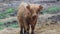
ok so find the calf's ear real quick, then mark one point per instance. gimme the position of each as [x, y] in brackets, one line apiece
[28, 6]
[40, 7]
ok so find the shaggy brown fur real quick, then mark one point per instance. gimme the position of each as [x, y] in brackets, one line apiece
[27, 16]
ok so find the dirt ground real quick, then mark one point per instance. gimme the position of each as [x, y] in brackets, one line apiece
[41, 28]
[47, 29]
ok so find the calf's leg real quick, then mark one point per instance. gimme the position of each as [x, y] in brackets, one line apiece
[26, 31]
[21, 31]
[20, 22]
[26, 28]
[33, 26]
[32, 29]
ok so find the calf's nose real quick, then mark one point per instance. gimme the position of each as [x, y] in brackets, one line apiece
[34, 16]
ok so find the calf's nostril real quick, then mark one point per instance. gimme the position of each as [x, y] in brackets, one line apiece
[34, 17]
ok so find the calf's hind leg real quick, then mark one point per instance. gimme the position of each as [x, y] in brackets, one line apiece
[26, 28]
[26, 31]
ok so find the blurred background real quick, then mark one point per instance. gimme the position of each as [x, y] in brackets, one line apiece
[50, 16]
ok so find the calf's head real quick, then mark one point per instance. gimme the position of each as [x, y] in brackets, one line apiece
[34, 9]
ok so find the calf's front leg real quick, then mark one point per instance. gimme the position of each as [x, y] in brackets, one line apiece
[33, 26]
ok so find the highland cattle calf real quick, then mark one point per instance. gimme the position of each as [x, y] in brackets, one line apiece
[27, 16]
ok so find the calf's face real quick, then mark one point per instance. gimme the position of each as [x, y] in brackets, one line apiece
[34, 9]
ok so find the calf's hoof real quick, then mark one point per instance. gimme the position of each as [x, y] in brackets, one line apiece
[32, 33]
[27, 32]
[21, 32]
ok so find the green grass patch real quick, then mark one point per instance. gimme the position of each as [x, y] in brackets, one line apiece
[13, 26]
[1, 28]
[1, 23]
[6, 13]
[53, 9]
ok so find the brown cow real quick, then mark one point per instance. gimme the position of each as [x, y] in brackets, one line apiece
[27, 16]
